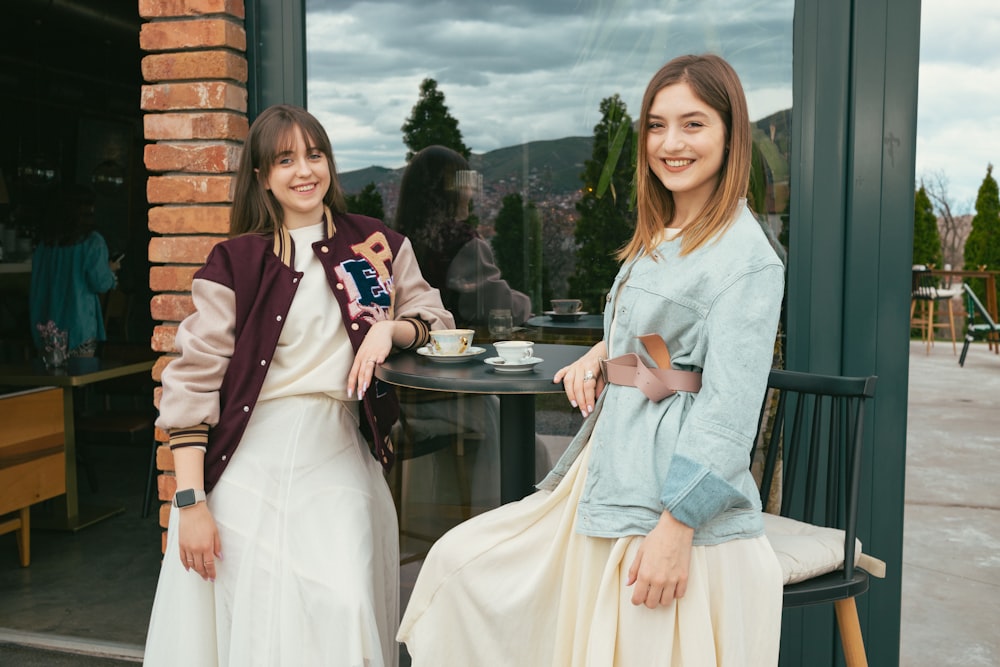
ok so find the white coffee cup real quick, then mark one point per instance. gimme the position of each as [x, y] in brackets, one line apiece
[566, 306]
[514, 351]
[449, 342]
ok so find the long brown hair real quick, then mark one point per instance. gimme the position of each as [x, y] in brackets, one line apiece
[255, 210]
[715, 82]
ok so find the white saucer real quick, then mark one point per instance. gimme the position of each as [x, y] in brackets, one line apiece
[565, 317]
[501, 366]
[450, 358]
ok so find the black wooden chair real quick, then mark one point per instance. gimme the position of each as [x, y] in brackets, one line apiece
[813, 431]
[974, 330]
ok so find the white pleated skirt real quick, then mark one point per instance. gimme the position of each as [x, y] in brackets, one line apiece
[518, 587]
[309, 573]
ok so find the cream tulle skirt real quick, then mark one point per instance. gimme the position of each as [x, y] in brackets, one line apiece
[518, 587]
[310, 567]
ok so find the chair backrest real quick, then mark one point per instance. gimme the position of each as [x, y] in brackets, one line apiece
[923, 284]
[975, 306]
[816, 430]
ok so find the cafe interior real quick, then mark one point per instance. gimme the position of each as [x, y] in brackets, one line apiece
[70, 75]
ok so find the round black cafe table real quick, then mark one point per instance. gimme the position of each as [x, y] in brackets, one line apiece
[517, 399]
[587, 328]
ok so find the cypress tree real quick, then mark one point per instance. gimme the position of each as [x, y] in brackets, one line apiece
[607, 218]
[926, 237]
[982, 248]
[431, 123]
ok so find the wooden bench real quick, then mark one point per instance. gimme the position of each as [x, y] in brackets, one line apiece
[32, 458]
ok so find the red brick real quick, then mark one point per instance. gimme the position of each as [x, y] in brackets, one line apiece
[164, 459]
[167, 484]
[202, 158]
[185, 189]
[171, 278]
[171, 307]
[189, 219]
[193, 34]
[163, 341]
[194, 95]
[173, 8]
[181, 249]
[196, 125]
[195, 65]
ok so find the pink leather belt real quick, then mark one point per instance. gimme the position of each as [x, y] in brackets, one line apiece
[656, 383]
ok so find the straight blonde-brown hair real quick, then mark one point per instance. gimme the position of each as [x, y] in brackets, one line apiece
[255, 210]
[715, 82]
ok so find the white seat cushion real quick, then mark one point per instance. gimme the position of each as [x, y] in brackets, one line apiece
[804, 550]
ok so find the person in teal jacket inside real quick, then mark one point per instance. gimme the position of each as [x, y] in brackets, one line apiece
[70, 269]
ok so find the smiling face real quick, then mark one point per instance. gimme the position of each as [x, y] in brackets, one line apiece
[685, 147]
[299, 178]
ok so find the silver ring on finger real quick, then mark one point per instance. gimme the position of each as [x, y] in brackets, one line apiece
[371, 361]
[588, 375]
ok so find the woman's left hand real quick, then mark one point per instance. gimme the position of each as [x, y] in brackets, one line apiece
[660, 569]
[373, 351]
[583, 380]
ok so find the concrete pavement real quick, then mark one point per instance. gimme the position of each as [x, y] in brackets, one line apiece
[951, 525]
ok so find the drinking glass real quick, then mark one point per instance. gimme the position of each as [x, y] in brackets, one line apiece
[501, 323]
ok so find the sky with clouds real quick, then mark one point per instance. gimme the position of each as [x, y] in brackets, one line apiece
[958, 112]
[515, 71]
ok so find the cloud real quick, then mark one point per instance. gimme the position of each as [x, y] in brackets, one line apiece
[521, 71]
[958, 110]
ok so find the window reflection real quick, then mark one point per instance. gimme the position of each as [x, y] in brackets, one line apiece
[543, 94]
[525, 81]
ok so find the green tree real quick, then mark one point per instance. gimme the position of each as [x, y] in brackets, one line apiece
[926, 237]
[982, 248]
[757, 195]
[517, 246]
[367, 202]
[430, 123]
[607, 218]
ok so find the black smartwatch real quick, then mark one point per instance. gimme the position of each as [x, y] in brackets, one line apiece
[188, 497]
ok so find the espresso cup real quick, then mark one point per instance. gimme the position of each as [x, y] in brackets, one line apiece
[566, 306]
[514, 351]
[449, 342]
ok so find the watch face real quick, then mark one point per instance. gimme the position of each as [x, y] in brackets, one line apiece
[184, 498]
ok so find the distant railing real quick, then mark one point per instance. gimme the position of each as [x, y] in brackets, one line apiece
[990, 280]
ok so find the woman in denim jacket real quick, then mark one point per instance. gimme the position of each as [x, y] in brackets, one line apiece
[645, 544]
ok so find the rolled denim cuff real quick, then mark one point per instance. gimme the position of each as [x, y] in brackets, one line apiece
[694, 494]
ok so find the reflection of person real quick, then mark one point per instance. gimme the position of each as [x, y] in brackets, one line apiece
[294, 312]
[645, 544]
[433, 212]
[69, 271]
[435, 195]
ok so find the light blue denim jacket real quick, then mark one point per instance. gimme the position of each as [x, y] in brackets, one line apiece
[717, 310]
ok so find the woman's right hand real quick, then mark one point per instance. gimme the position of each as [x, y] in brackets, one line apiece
[199, 540]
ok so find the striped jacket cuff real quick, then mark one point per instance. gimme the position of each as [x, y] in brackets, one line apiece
[191, 436]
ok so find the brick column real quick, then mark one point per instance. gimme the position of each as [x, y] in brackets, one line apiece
[195, 121]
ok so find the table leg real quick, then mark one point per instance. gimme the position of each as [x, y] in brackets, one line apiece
[517, 446]
[67, 514]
